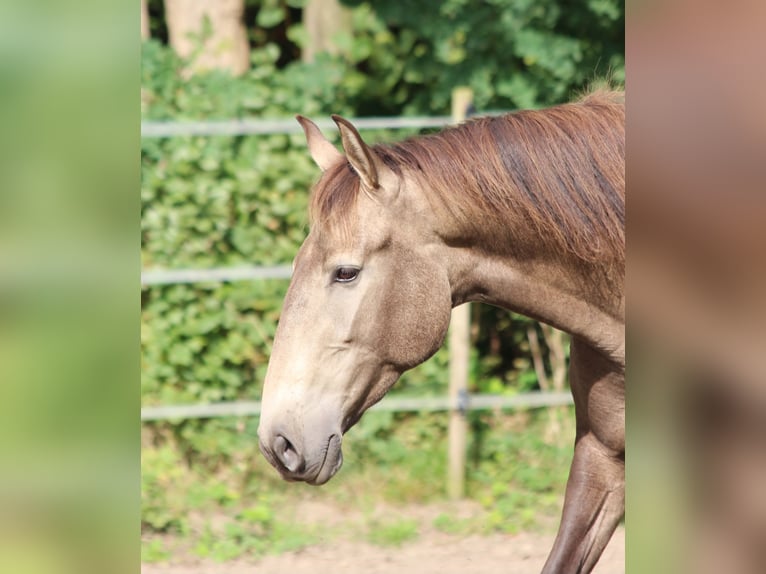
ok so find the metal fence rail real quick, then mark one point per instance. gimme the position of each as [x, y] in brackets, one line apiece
[169, 129]
[217, 274]
[151, 129]
[398, 404]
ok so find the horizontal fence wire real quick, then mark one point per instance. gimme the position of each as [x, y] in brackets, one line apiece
[395, 404]
[169, 129]
[154, 129]
[220, 274]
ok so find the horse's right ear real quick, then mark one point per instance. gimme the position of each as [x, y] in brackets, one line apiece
[322, 151]
[358, 153]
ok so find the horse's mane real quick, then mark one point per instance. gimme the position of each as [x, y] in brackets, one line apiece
[555, 177]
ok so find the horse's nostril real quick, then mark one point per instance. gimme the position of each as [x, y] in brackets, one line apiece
[286, 454]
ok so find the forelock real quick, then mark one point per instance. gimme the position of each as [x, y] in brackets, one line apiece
[332, 206]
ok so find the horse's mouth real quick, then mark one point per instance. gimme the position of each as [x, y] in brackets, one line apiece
[316, 470]
[333, 460]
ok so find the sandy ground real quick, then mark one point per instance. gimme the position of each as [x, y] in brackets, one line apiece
[432, 552]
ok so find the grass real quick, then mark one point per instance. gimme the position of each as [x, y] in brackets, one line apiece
[238, 539]
[155, 550]
[450, 524]
[393, 533]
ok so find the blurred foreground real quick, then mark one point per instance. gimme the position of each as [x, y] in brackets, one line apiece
[696, 466]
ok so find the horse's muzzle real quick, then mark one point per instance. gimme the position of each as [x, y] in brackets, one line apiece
[294, 464]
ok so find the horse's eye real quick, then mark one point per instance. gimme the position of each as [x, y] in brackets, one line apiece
[346, 274]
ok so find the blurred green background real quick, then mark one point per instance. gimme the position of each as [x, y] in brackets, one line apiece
[217, 201]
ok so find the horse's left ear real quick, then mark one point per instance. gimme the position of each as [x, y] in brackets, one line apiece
[322, 151]
[358, 153]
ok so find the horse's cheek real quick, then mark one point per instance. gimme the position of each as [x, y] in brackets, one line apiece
[417, 327]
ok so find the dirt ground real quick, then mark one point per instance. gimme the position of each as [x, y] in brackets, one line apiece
[432, 552]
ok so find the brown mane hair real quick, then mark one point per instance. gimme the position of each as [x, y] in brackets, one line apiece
[553, 177]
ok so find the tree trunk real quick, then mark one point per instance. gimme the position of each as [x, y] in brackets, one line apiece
[323, 20]
[210, 33]
[145, 34]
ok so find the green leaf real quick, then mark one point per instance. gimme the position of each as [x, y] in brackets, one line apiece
[270, 16]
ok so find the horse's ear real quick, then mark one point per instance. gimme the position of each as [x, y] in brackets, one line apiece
[322, 151]
[358, 153]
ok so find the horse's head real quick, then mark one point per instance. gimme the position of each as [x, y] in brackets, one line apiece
[369, 298]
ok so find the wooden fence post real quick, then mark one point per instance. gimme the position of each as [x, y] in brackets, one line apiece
[459, 352]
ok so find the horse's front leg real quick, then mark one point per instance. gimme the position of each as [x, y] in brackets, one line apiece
[595, 494]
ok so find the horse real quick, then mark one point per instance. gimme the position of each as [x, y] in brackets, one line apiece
[525, 211]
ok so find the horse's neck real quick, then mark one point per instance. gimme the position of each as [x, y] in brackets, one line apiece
[549, 291]
[516, 271]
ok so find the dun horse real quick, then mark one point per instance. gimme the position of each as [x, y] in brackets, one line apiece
[523, 211]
